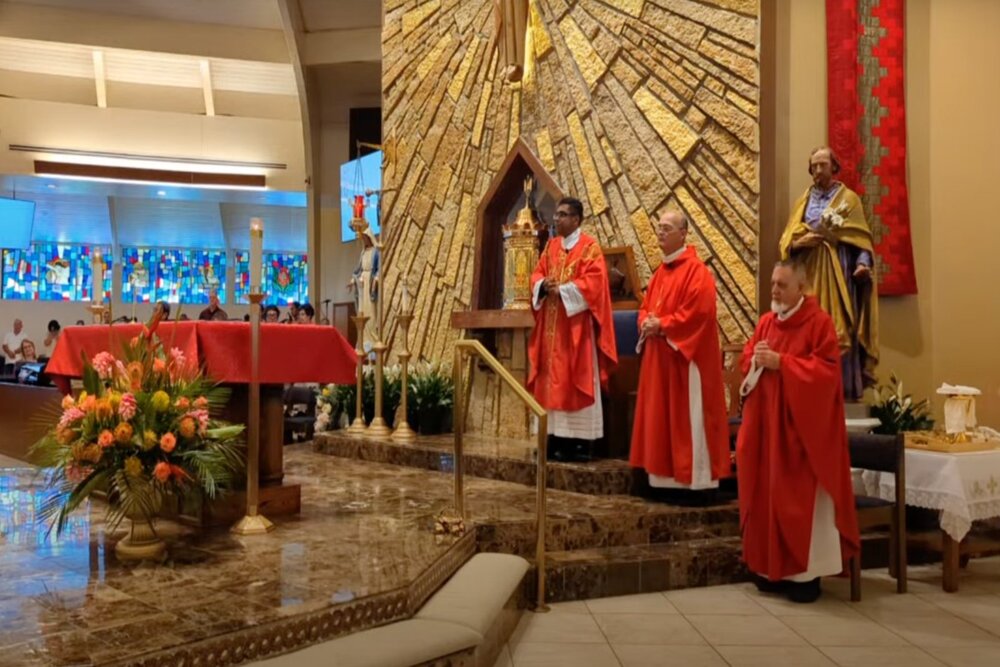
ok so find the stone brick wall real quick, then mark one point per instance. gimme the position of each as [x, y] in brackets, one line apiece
[633, 105]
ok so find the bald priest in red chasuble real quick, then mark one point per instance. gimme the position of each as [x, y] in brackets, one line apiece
[572, 347]
[681, 431]
[796, 500]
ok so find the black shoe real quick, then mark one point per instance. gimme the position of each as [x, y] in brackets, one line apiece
[765, 585]
[804, 592]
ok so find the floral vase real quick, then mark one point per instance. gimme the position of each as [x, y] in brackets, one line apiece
[141, 542]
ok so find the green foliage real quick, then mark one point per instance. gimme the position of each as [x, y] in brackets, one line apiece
[897, 411]
[431, 396]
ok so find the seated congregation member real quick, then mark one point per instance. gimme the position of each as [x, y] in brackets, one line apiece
[292, 316]
[54, 329]
[272, 314]
[681, 432]
[796, 500]
[28, 352]
[214, 311]
[306, 314]
[12, 342]
[572, 346]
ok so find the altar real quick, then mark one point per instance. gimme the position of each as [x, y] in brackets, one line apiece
[289, 354]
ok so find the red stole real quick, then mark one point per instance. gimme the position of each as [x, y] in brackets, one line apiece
[793, 437]
[561, 376]
[682, 294]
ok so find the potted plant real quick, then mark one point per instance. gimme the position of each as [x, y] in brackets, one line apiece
[897, 411]
[431, 398]
[141, 430]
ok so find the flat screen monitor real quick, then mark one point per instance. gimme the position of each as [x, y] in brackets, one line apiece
[16, 218]
[357, 177]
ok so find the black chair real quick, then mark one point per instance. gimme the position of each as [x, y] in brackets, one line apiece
[881, 453]
[300, 412]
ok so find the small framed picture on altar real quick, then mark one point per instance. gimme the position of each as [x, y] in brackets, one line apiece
[623, 279]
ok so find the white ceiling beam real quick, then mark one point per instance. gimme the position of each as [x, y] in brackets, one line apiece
[329, 47]
[100, 81]
[206, 86]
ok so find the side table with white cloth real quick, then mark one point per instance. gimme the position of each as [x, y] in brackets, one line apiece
[965, 487]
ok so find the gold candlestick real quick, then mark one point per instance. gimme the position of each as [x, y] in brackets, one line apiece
[254, 523]
[403, 432]
[378, 428]
[358, 426]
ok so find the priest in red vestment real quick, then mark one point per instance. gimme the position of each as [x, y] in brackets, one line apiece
[572, 347]
[681, 431]
[796, 501]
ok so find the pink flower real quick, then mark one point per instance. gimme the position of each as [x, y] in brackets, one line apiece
[70, 416]
[75, 473]
[127, 407]
[167, 442]
[162, 471]
[104, 364]
[159, 365]
[106, 438]
[202, 417]
[177, 357]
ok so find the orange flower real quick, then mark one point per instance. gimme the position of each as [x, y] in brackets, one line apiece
[188, 427]
[123, 433]
[103, 409]
[159, 365]
[88, 403]
[182, 403]
[92, 453]
[68, 402]
[106, 438]
[162, 471]
[167, 442]
[65, 435]
[201, 402]
[134, 371]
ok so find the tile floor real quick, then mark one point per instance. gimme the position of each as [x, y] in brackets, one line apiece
[735, 625]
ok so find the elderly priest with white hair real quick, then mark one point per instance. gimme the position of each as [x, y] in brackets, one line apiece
[797, 511]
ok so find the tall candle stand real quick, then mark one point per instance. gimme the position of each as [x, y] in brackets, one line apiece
[403, 432]
[358, 426]
[254, 523]
[378, 428]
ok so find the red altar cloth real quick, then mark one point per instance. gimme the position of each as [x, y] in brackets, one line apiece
[288, 353]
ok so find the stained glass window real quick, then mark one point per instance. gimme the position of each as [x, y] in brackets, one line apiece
[52, 272]
[286, 277]
[174, 276]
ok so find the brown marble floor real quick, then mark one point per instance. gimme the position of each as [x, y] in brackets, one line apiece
[365, 530]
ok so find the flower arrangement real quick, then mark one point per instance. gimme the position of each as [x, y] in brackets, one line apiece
[431, 397]
[897, 411]
[140, 429]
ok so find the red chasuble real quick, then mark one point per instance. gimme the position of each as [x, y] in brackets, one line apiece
[793, 437]
[682, 295]
[561, 376]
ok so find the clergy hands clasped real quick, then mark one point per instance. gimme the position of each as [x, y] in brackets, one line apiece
[765, 357]
[551, 287]
[651, 326]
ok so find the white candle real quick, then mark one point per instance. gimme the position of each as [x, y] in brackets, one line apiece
[256, 255]
[406, 299]
[97, 275]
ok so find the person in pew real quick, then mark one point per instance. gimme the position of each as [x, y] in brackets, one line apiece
[680, 435]
[12, 342]
[796, 501]
[271, 314]
[28, 352]
[306, 314]
[213, 311]
[292, 317]
[54, 329]
[572, 346]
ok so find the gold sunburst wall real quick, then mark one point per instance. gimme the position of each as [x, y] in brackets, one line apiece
[633, 105]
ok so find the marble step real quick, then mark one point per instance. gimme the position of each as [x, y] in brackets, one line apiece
[610, 571]
[622, 522]
[501, 459]
[857, 410]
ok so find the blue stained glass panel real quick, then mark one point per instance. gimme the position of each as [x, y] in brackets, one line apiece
[52, 272]
[286, 277]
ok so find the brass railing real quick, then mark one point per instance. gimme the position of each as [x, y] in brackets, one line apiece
[474, 347]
